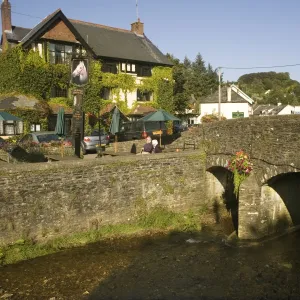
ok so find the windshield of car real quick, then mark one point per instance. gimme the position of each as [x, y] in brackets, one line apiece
[96, 133]
[45, 138]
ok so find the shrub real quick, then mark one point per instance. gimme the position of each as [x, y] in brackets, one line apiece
[211, 118]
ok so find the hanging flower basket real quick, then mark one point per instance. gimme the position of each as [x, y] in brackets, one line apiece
[241, 168]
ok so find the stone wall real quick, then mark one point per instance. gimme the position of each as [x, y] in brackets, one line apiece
[50, 199]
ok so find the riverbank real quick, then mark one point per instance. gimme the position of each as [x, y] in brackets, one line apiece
[178, 265]
[158, 219]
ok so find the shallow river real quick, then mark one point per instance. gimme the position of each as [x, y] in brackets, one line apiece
[160, 267]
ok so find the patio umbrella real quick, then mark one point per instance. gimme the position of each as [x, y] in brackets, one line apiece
[60, 122]
[159, 116]
[115, 125]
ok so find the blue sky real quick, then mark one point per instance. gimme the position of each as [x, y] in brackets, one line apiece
[234, 33]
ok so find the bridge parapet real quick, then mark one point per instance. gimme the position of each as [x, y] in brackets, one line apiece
[273, 139]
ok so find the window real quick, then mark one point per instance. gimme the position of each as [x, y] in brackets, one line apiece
[109, 68]
[144, 95]
[35, 127]
[144, 71]
[59, 92]
[60, 54]
[128, 68]
[11, 127]
[106, 93]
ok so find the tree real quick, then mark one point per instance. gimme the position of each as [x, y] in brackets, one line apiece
[281, 88]
[179, 76]
[187, 63]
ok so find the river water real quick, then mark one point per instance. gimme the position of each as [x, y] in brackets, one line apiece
[160, 267]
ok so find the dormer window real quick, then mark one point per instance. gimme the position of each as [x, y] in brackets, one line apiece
[60, 53]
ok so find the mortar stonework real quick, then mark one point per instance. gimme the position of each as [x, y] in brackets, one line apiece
[53, 199]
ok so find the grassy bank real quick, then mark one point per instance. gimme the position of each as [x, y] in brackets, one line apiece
[157, 219]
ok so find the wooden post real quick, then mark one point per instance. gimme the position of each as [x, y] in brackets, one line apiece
[219, 106]
[116, 143]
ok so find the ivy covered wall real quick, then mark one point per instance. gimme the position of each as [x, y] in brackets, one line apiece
[26, 72]
[160, 84]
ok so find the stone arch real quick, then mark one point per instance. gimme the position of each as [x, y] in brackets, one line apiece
[272, 171]
[225, 179]
[284, 195]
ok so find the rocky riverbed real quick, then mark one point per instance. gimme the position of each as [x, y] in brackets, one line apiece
[160, 266]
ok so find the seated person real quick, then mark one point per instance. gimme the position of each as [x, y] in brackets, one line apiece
[148, 148]
[156, 148]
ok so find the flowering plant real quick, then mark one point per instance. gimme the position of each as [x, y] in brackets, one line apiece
[209, 118]
[241, 167]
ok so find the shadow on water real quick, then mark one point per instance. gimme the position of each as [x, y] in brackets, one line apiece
[206, 269]
[178, 265]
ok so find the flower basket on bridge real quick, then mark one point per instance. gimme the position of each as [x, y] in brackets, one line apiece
[241, 168]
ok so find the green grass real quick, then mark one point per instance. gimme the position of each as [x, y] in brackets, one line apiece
[156, 219]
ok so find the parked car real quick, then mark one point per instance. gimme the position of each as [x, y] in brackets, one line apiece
[135, 130]
[91, 141]
[179, 128]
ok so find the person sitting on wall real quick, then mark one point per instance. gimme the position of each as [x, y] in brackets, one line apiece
[156, 148]
[148, 148]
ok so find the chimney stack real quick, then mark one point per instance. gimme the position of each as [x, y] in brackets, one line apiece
[6, 22]
[229, 93]
[138, 27]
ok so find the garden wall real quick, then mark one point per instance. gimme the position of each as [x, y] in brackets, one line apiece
[50, 199]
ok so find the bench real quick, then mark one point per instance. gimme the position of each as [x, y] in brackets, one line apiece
[189, 143]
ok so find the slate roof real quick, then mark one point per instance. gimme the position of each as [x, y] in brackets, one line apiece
[119, 43]
[18, 101]
[18, 33]
[268, 109]
[214, 98]
[103, 41]
[141, 110]
[258, 109]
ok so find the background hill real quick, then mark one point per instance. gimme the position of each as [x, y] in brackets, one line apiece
[271, 87]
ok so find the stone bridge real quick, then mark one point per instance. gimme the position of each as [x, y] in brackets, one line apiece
[269, 199]
[39, 201]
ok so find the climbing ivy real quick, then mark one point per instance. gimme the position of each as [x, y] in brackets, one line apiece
[161, 84]
[27, 73]
[38, 115]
